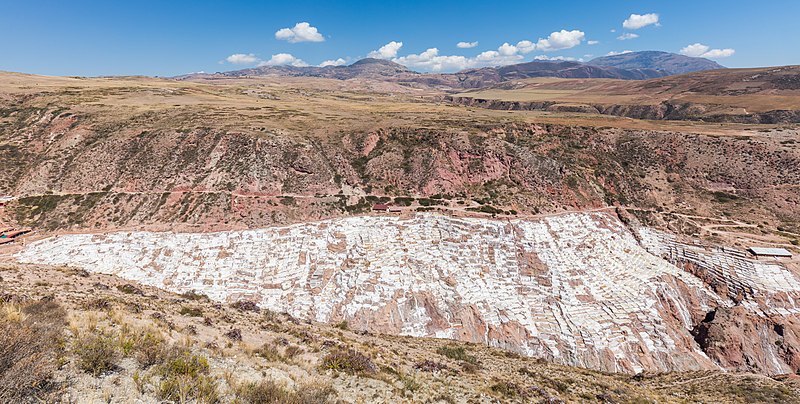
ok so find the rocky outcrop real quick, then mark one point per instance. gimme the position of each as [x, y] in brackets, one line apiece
[576, 288]
[740, 341]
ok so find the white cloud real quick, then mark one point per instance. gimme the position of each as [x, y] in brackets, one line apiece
[561, 40]
[719, 53]
[612, 53]
[592, 42]
[242, 59]
[526, 46]
[494, 58]
[705, 51]
[627, 35]
[431, 60]
[467, 45]
[302, 32]
[337, 62]
[696, 49]
[557, 58]
[387, 51]
[636, 21]
[283, 59]
[507, 50]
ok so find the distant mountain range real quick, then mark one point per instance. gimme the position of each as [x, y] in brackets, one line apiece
[663, 62]
[629, 66]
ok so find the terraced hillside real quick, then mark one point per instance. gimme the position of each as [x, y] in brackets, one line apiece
[577, 289]
[97, 337]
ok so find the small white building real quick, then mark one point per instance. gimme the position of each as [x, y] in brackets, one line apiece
[770, 252]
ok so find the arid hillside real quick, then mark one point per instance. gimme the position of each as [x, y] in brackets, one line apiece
[245, 153]
[761, 95]
[82, 337]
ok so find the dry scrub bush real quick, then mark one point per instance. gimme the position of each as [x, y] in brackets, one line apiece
[30, 338]
[267, 391]
[96, 353]
[184, 377]
[349, 361]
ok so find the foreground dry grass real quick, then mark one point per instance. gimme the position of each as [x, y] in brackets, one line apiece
[72, 336]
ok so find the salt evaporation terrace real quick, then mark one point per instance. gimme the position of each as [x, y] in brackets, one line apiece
[576, 288]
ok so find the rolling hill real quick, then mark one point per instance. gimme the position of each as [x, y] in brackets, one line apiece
[760, 95]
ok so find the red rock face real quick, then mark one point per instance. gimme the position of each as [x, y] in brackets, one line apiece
[737, 340]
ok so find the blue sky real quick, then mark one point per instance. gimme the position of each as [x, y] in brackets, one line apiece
[163, 38]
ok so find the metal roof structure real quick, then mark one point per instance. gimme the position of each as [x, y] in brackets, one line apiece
[770, 252]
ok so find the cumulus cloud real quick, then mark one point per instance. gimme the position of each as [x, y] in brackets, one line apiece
[467, 45]
[705, 51]
[557, 58]
[627, 35]
[505, 54]
[336, 62]
[432, 61]
[301, 32]
[592, 42]
[612, 53]
[284, 59]
[242, 59]
[560, 40]
[636, 21]
[387, 51]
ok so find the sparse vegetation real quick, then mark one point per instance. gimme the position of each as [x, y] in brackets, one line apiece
[267, 391]
[96, 352]
[349, 361]
[31, 335]
[182, 367]
[457, 353]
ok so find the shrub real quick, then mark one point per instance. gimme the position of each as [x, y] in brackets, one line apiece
[234, 334]
[130, 289]
[507, 389]
[96, 353]
[184, 377]
[349, 361]
[150, 349]
[457, 352]
[270, 352]
[30, 338]
[191, 311]
[192, 295]
[429, 366]
[267, 391]
[245, 305]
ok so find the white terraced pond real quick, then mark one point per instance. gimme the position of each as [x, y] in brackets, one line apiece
[576, 288]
